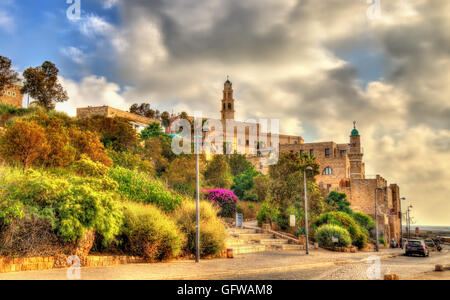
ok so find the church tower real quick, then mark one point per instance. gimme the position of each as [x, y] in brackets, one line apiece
[228, 101]
[355, 155]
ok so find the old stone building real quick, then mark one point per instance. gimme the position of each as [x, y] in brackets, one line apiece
[12, 95]
[138, 122]
[342, 169]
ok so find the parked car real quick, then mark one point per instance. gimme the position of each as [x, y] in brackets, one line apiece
[431, 245]
[417, 247]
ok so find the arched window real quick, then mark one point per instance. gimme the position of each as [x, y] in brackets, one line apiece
[224, 106]
[328, 171]
[229, 105]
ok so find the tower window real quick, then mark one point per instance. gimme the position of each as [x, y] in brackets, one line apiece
[327, 152]
[229, 105]
[224, 106]
[328, 171]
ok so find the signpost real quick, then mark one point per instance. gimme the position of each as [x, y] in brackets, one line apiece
[293, 221]
[417, 230]
[239, 220]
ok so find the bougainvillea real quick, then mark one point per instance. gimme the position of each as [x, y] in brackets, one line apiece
[225, 199]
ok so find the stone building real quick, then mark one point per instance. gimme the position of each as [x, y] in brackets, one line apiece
[342, 169]
[12, 95]
[138, 122]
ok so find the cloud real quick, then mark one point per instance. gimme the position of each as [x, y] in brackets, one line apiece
[6, 22]
[91, 91]
[282, 58]
[75, 54]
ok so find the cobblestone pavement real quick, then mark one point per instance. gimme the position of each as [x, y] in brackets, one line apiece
[282, 262]
[407, 267]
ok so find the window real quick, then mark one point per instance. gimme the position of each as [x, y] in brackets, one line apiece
[14, 94]
[229, 105]
[328, 188]
[302, 152]
[8, 93]
[3, 92]
[224, 106]
[327, 152]
[311, 152]
[247, 143]
[343, 152]
[328, 171]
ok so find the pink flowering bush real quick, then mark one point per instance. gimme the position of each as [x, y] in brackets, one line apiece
[225, 199]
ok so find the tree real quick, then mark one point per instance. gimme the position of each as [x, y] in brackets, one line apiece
[261, 187]
[339, 202]
[116, 133]
[7, 75]
[238, 163]
[88, 143]
[182, 176]
[143, 110]
[287, 188]
[217, 173]
[153, 150]
[152, 130]
[243, 183]
[165, 119]
[61, 153]
[23, 143]
[42, 84]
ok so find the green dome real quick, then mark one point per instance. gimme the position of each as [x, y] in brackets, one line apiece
[355, 132]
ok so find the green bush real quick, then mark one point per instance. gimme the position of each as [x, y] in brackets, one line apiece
[364, 221]
[267, 213]
[213, 233]
[359, 237]
[139, 187]
[71, 204]
[382, 240]
[150, 233]
[325, 233]
[86, 167]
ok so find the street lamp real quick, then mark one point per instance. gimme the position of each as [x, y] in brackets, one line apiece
[377, 234]
[197, 237]
[306, 208]
[401, 221]
[409, 221]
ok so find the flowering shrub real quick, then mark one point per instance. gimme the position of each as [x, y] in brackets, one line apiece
[225, 199]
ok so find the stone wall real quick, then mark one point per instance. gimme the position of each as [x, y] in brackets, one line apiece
[12, 95]
[107, 111]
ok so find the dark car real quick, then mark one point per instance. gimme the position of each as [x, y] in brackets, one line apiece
[417, 247]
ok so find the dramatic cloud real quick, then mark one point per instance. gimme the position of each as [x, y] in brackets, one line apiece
[293, 60]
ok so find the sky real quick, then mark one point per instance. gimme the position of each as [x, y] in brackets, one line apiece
[316, 65]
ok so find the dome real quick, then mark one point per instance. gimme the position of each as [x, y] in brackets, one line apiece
[355, 132]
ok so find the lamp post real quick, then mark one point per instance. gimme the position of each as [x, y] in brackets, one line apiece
[401, 221]
[197, 236]
[409, 221]
[306, 208]
[377, 234]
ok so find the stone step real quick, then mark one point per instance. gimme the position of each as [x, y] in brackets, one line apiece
[273, 241]
[253, 236]
[235, 242]
[288, 247]
[243, 249]
[241, 231]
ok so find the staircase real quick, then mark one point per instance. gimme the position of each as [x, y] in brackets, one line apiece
[244, 241]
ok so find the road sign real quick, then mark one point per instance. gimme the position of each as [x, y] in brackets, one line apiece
[417, 230]
[335, 239]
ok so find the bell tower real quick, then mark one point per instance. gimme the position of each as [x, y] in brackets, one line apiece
[355, 155]
[228, 101]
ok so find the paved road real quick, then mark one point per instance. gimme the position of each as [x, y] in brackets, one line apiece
[406, 267]
[320, 264]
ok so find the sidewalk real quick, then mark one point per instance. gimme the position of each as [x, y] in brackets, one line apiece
[255, 263]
